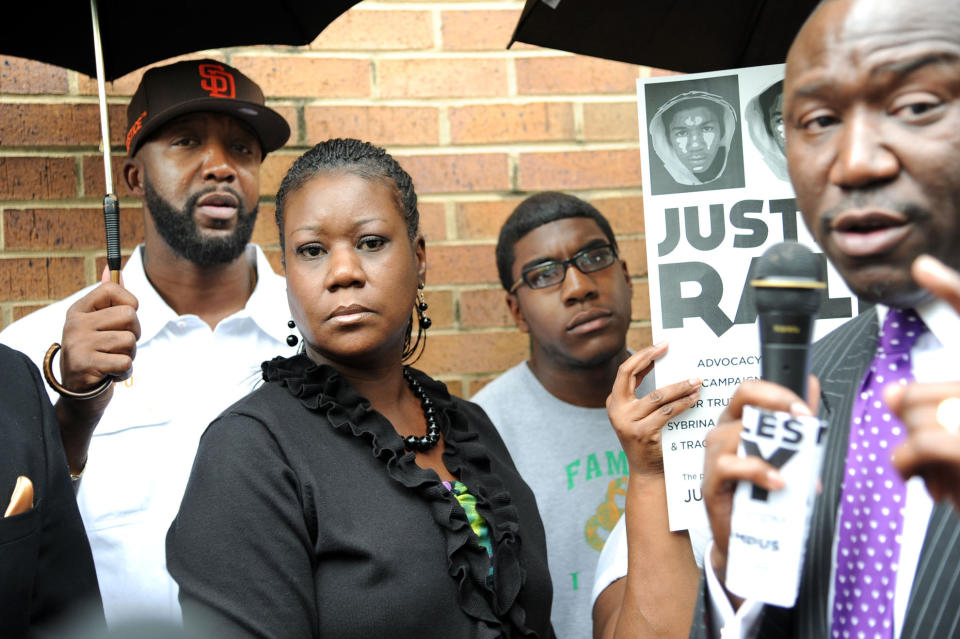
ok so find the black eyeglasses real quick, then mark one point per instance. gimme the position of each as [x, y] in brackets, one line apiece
[550, 273]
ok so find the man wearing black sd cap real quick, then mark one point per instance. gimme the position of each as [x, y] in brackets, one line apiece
[199, 308]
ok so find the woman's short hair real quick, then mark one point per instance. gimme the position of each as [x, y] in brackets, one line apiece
[358, 158]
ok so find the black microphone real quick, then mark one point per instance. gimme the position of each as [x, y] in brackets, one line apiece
[789, 282]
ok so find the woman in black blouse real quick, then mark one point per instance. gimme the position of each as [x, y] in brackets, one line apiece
[351, 495]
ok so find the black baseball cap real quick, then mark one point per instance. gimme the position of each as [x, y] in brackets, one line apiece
[201, 85]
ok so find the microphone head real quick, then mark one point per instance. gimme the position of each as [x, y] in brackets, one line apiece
[789, 277]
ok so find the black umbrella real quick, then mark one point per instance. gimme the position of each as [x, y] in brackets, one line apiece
[109, 38]
[680, 35]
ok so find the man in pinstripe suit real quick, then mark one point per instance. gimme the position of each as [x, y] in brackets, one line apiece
[872, 109]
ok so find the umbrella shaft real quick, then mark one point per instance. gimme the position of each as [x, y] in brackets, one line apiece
[102, 93]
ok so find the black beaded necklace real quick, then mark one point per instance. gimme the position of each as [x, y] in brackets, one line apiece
[428, 441]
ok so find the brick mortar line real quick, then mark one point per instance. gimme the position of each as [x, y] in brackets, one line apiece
[59, 99]
[485, 330]
[374, 81]
[548, 146]
[33, 254]
[449, 218]
[501, 195]
[301, 115]
[90, 269]
[436, 23]
[578, 122]
[48, 151]
[624, 143]
[454, 101]
[492, 285]
[93, 201]
[53, 152]
[520, 146]
[11, 304]
[512, 86]
[443, 127]
[491, 242]
[73, 82]
[78, 176]
[478, 196]
[460, 288]
[85, 202]
[304, 102]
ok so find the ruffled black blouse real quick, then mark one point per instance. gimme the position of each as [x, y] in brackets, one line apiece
[305, 517]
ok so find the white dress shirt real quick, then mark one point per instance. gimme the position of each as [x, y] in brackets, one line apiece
[934, 358]
[142, 450]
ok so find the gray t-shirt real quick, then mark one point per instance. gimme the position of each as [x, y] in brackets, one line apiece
[572, 460]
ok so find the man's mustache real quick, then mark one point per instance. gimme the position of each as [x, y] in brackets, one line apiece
[874, 200]
[193, 199]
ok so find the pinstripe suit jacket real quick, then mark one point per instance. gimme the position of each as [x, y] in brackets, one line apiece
[839, 360]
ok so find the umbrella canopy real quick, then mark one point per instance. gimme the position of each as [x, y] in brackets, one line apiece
[680, 35]
[135, 34]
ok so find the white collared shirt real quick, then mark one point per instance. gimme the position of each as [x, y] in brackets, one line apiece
[934, 358]
[142, 450]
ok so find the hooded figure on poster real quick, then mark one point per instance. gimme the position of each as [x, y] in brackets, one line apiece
[692, 134]
[764, 119]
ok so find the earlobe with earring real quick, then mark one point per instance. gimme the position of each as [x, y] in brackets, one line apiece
[425, 321]
[291, 338]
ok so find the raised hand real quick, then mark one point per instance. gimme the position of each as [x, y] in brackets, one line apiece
[638, 421]
[932, 446]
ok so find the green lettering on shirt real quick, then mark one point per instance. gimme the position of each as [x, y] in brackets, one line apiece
[571, 472]
[617, 463]
[574, 577]
[593, 467]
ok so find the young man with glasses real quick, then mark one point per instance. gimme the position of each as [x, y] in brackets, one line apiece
[569, 290]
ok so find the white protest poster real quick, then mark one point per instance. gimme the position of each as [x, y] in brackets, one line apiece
[716, 195]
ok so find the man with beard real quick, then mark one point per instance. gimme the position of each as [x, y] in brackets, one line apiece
[198, 306]
[569, 290]
[872, 114]
[872, 117]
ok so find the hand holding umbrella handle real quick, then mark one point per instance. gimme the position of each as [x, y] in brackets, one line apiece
[97, 391]
[111, 220]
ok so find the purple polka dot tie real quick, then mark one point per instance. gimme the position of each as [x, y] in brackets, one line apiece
[871, 504]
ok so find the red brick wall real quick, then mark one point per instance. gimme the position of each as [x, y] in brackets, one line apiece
[477, 126]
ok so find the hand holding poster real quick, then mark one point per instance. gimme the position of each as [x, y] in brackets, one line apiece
[714, 200]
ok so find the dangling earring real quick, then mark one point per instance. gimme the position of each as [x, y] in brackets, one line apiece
[423, 323]
[292, 339]
[422, 318]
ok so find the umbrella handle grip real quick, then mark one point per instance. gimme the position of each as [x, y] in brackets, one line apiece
[96, 391]
[111, 220]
